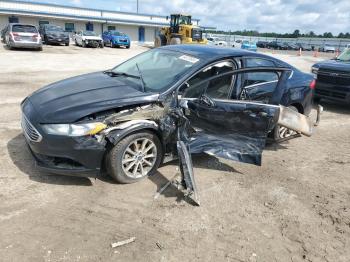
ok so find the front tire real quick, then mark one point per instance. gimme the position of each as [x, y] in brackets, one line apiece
[175, 41]
[134, 157]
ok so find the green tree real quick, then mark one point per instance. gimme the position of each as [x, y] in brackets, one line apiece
[296, 33]
[312, 34]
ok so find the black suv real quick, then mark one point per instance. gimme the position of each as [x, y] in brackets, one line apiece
[333, 78]
[53, 34]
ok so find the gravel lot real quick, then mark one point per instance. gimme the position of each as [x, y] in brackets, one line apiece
[295, 207]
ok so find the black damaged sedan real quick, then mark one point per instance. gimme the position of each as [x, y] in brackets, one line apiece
[127, 119]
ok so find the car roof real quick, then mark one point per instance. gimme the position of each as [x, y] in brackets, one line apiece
[12, 24]
[213, 52]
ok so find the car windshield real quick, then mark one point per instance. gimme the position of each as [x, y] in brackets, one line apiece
[54, 28]
[24, 29]
[159, 68]
[118, 34]
[89, 33]
[345, 56]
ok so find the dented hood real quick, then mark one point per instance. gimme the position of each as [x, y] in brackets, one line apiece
[68, 100]
[341, 66]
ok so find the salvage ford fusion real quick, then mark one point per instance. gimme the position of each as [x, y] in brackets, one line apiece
[219, 101]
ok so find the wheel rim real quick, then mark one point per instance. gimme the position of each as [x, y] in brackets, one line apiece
[285, 132]
[139, 158]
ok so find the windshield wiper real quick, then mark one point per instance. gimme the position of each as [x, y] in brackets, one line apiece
[141, 78]
[114, 74]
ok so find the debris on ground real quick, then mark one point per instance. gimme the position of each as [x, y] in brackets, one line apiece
[159, 245]
[124, 242]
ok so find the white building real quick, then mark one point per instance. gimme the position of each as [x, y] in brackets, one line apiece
[140, 27]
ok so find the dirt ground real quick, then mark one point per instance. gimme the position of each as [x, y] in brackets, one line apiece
[295, 207]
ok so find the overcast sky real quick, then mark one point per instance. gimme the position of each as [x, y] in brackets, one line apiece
[265, 16]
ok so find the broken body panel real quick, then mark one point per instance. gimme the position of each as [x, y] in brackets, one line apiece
[230, 129]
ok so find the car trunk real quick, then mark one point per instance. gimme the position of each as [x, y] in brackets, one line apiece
[24, 33]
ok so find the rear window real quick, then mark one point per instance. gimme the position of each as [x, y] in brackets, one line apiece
[24, 29]
[259, 62]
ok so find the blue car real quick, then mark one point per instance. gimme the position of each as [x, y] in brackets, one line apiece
[249, 46]
[116, 39]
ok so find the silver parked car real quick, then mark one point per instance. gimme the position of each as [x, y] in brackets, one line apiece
[22, 36]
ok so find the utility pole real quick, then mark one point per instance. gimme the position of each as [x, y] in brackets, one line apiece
[137, 6]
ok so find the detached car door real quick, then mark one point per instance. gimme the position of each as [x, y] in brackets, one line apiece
[228, 128]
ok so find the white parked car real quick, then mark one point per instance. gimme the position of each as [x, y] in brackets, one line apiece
[87, 38]
[216, 41]
[328, 48]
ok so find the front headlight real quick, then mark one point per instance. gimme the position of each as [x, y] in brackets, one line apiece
[74, 129]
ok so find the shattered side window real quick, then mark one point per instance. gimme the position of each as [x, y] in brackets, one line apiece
[259, 86]
[218, 88]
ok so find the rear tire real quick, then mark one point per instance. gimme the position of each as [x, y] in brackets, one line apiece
[128, 163]
[280, 132]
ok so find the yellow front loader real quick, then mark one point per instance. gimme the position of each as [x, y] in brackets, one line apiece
[180, 31]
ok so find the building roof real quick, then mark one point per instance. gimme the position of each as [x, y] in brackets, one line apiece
[79, 13]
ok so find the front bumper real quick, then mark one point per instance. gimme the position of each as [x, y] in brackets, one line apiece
[73, 156]
[121, 43]
[93, 43]
[250, 49]
[57, 40]
[64, 156]
[333, 92]
[58, 166]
